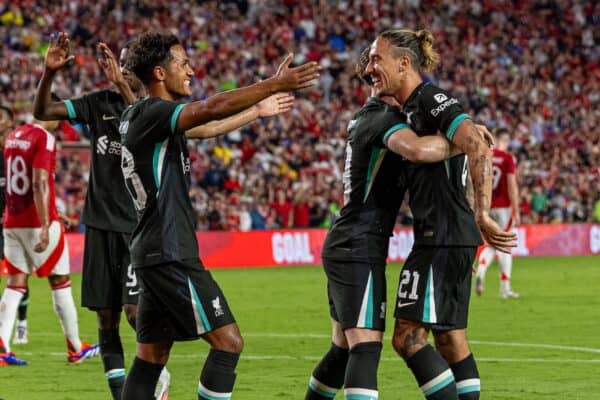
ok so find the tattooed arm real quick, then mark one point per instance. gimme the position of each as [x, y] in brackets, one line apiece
[471, 143]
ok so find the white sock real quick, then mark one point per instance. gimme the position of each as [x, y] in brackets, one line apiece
[485, 259]
[505, 267]
[64, 306]
[8, 312]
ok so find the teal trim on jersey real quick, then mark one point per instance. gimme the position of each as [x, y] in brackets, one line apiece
[468, 389]
[369, 312]
[439, 386]
[427, 304]
[70, 109]
[158, 159]
[393, 129]
[175, 116]
[321, 392]
[377, 155]
[209, 397]
[199, 308]
[115, 374]
[454, 125]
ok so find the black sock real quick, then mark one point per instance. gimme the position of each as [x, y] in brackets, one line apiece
[22, 310]
[141, 380]
[328, 375]
[218, 375]
[433, 374]
[467, 378]
[361, 371]
[111, 351]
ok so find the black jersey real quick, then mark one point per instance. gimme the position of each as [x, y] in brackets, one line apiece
[373, 190]
[156, 167]
[442, 215]
[107, 203]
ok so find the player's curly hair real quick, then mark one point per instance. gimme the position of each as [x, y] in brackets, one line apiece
[148, 51]
[361, 66]
[418, 45]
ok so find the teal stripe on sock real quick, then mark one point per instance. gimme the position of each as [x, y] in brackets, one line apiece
[439, 386]
[359, 397]
[209, 397]
[321, 392]
[469, 389]
[115, 374]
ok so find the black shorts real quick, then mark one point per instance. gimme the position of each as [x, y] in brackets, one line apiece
[435, 286]
[357, 293]
[179, 301]
[108, 280]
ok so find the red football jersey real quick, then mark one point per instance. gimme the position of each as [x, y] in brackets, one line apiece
[503, 164]
[27, 147]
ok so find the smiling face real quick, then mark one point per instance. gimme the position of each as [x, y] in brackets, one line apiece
[383, 68]
[178, 74]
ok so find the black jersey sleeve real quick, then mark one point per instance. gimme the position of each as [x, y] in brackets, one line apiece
[384, 122]
[82, 109]
[443, 109]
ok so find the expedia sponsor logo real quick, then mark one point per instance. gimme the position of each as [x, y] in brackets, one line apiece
[105, 145]
[440, 97]
[443, 106]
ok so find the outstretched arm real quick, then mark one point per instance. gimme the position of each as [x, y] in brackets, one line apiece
[56, 58]
[424, 149]
[273, 105]
[231, 102]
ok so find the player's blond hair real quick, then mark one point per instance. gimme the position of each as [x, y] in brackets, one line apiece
[418, 45]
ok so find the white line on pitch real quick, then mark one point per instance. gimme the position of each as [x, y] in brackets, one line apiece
[327, 336]
[259, 357]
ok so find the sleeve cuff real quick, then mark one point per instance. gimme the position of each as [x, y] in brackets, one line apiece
[70, 110]
[393, 129]
[454, 125]
[175, 116]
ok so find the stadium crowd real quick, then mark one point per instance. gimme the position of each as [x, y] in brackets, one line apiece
[530, 66]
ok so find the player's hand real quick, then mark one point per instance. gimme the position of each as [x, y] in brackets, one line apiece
[44, 239]
[296, 78]
[485, 134]
[109, 64]
[275, 104]
[494, 235]
[57, 55]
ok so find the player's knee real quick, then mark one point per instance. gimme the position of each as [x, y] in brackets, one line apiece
[408, 338]
[108, 319]
[130, 314]
[57, 280]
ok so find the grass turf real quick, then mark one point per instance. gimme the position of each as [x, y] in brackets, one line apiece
[545, 345]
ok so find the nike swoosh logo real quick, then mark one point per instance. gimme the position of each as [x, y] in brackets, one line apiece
[400, 305]
[108, 117]
[133, 292]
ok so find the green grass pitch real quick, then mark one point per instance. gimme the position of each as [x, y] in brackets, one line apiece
[545, 345]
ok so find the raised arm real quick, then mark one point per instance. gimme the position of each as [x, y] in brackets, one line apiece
[231, 102]
[111, 68]
[41, 201]
[271, 106]
[56, 58]
[467, 138]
